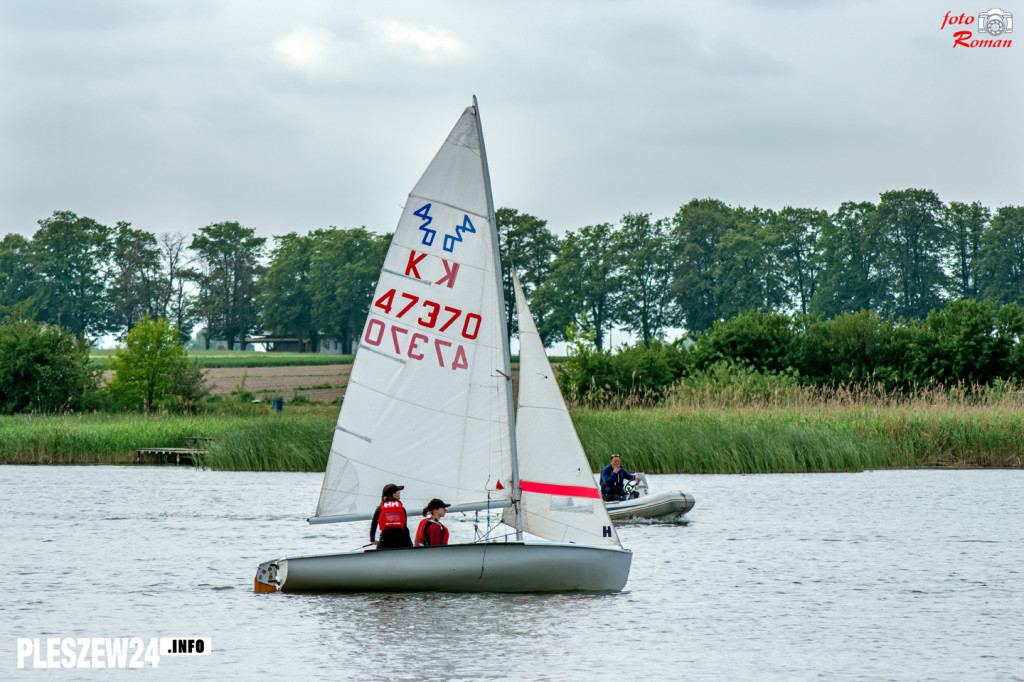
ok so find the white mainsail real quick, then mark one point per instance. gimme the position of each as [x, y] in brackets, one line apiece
[560, 500]
[427, 404]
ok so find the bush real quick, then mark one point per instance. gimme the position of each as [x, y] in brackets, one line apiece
[765, 341]
[42, 368]
[636, 373]
[727, 384]
[188, 385]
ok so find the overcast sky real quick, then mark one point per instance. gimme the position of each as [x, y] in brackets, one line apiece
[292, 116]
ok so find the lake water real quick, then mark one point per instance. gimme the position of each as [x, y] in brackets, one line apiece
[892, 575]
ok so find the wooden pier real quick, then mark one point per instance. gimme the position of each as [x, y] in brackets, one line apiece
[176, 456]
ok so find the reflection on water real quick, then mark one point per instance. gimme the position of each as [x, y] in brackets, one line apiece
[874, 576]
[444, 635]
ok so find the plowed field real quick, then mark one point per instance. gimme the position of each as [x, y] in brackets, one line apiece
[322, 383]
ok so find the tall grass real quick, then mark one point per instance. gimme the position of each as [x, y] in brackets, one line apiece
[656, 442]
[256, 441]
[749, 423]
[275, 444]
[714, 424]
[95, 439]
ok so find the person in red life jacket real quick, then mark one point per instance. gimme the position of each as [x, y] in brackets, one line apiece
[431, 531]
[390, 518]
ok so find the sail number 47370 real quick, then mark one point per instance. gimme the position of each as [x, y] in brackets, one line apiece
[432, 314]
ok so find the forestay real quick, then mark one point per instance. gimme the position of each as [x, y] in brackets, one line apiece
[560, 500]
[427, 402]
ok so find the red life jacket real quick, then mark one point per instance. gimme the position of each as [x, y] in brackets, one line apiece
[418, 542]
[423, 538]
[392, 515]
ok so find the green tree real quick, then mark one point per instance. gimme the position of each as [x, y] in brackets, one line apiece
[525, 242]
[793, 237]
[143, 367]
[644, 305]
[175, 301]
[914, 242]
[228, 254]
[16, 281]
[286, 290]
[70, 258]
[966, 225]
[1000, 267]
[748, 268]
[134, 277]
[581, 288]
[697, 231]
[849, 248]
[344, 269]
[42, 368]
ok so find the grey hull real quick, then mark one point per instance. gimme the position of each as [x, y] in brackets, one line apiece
[494, 567]
[651, 506]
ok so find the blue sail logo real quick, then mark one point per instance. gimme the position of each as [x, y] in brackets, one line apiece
[449, 240]
[423, 213]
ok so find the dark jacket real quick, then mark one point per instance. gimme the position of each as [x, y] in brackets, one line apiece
[611, 483]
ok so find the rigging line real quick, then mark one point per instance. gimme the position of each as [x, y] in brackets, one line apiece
[409, 277]
[389, 356]
[483, 555]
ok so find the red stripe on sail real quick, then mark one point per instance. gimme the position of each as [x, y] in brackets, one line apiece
[566, 490]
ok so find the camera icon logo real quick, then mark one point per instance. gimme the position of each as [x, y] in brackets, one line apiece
[995, 22]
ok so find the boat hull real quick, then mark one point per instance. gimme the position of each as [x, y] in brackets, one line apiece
[651, 506]
[492, 567]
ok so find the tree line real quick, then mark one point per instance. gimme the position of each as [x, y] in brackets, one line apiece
[901, 257]
[90, 279]
[968, 344]
[906, 255]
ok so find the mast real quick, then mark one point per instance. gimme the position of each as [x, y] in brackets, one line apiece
[516, 494]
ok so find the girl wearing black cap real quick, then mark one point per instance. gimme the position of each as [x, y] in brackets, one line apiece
[391, 518]
[431, 530]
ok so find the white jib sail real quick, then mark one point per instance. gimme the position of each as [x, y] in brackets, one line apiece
[427, 403]
[560, 500]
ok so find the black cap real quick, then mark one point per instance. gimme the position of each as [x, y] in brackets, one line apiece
[436, 504]
[390, 489]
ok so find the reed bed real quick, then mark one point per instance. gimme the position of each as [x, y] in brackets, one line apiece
[732, 426]
[751, 427]
[259, 441]
[273, 444]
[97, 438]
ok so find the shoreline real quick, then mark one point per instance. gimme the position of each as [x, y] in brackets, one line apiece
[653, 440]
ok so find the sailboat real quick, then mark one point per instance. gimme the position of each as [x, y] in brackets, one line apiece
[429, 406]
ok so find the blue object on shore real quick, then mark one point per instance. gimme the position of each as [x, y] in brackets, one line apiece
[277, 405]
